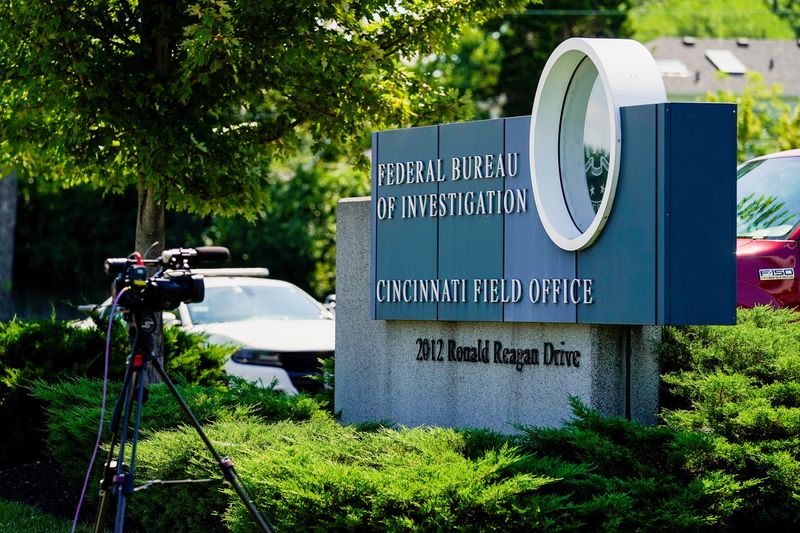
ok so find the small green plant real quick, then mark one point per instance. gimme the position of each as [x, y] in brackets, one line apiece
[327, 380]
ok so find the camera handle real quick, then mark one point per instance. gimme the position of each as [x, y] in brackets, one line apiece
[116, 481]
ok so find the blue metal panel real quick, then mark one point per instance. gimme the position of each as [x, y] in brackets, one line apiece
[406, 247]
[701, 213]
[621, 262]
[529, 252]
[470, 246]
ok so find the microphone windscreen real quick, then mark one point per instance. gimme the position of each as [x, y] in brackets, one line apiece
[212, 253]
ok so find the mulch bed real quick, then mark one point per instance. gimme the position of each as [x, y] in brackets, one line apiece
[40, 483]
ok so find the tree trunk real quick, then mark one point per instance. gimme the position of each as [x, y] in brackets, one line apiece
[8, 220]
[150, 229]
[150, 234]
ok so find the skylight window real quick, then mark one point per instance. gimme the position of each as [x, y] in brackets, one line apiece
[725, 61]
[672, 68]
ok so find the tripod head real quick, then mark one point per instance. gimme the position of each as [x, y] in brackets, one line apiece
[172, 283]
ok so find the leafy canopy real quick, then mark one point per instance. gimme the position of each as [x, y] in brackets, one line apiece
[711, 18]
[498, 63]
[195, 98]
[767, 121]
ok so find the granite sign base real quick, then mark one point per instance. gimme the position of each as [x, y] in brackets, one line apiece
[477, 374]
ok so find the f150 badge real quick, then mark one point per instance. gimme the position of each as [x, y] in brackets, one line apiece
[765, 274]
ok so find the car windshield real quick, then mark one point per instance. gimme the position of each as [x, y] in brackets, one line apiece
[254, 302]
[768, 198]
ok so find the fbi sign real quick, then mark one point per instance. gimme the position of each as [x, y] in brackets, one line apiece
[595, 210]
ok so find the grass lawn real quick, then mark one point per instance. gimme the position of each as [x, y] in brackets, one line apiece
[19, 518]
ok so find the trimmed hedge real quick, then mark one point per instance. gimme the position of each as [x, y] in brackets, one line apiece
[321, 476]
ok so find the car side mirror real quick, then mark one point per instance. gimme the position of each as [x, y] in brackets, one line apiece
[330, 303]
[88, 309]
[169, 319]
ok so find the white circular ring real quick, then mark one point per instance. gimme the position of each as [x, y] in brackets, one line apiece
[630, 77]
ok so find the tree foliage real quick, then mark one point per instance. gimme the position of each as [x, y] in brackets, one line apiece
[190, 100]
[473, 67]
[295, 235]
[788, 10]
[498, 63]
[711, 18]
[529, 39]
[767, 122]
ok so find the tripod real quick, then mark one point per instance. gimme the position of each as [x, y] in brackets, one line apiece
[117, 482]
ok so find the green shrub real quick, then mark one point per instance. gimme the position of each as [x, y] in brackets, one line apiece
[326, 380]
[190, 358]
[321, 476]
[594, 474]
[40, 349]
[73, 412]
[53, 350]
[73, 409]
[726, 457]
[620, 475]
[740, 385]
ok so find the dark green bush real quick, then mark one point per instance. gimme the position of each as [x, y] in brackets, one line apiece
[740, 385]
[41, 349]
[190, 358]
[621, 475]
[53, 350]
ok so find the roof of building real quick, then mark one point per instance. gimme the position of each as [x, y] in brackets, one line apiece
[692, 66]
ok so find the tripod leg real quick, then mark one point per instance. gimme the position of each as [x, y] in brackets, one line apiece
[123, 482]
[109, 467]
[225, 465]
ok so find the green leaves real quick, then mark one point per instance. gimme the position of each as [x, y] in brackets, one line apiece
[728, 460]
[767, 121]
[741, 386]
[203, 96]
[712, 18]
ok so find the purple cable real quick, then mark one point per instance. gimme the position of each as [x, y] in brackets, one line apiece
[102, 409]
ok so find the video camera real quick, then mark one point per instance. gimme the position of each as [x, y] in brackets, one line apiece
[172, 283]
